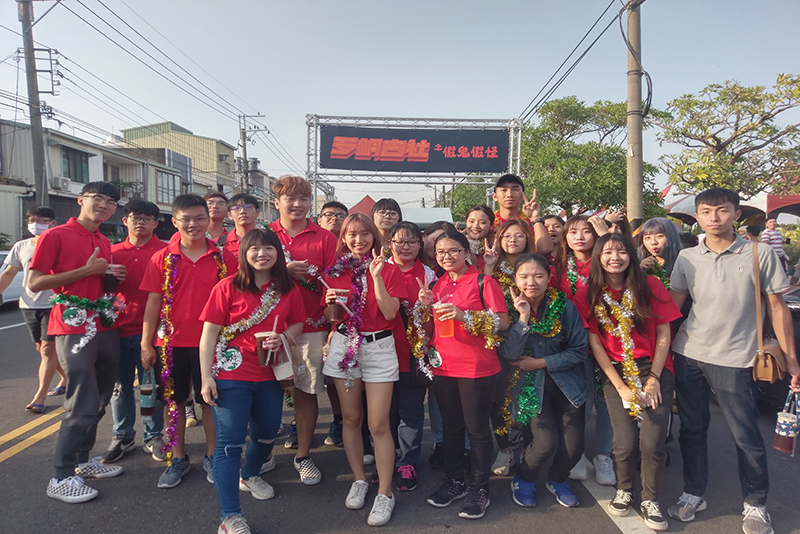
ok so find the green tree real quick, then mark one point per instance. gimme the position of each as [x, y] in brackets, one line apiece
[731, 138]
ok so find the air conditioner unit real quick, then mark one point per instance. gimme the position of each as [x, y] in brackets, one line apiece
[62, 183]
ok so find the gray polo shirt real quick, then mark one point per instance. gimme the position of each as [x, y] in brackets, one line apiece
[721, 327]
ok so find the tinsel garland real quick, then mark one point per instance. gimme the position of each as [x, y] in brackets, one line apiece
[415, 332]
[623, 313]
[309, 280]
[573, 275]
[527, 401]
[167, 383]
[355, 321]
[498, 220]
[269, 299]
[319, 323]
[484, 323]
[660, 272]
[504, 274]
[477, 246]
[82, 311]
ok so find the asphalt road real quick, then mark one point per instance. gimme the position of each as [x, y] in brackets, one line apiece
[131, 503]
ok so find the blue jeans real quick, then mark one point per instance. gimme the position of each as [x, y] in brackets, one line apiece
[408, 416]
[736, 394]
[123, 400]
[603, 433]
[258, 403]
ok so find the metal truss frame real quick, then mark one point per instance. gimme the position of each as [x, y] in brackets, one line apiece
[318, 176]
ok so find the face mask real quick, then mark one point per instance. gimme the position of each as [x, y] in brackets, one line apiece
[37, 228]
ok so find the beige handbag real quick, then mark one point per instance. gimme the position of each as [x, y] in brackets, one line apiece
[769, 364]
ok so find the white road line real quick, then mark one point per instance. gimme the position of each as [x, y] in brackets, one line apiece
[11, 326]
[632, 524]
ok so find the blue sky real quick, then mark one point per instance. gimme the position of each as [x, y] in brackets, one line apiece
[455, 59]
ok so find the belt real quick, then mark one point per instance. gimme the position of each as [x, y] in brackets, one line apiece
[367, 338]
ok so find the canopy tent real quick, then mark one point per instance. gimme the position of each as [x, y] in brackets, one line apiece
[681, 206]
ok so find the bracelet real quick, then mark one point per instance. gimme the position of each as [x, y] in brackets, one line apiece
[653, 375]
[539, 220]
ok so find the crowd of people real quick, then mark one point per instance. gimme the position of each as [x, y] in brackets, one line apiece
[510, 331]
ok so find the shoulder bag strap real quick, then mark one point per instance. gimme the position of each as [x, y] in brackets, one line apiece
[480, 289]
[759, 321]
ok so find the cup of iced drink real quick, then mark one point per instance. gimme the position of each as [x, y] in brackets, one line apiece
[443, 327]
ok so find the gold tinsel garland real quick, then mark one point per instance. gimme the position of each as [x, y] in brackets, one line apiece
[484, 323]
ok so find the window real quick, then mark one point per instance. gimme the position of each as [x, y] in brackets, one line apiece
[110, 173]
[169, 187]
[75, 165]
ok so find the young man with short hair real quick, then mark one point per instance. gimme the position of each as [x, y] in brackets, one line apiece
[72, 260]
[217, 204]
[714, 351]
[141, 219]
[179, 280]
[309, 250]
[243, 211]
[35, 307]
[773, 237]
[509, 192]
[331, 216]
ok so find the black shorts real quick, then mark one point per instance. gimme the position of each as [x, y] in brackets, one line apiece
[186, 374]
[37, 321]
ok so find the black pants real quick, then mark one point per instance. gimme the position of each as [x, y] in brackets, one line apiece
[649, 438]
[466, 405]
[503, 441]
[558, 433]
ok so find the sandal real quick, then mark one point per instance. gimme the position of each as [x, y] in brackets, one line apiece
[35, 408]
[56, 391]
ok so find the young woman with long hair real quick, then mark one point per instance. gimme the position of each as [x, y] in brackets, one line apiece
[261, 297]
[408, 402]
[629, 317]
[660, 246]
[362, 301]
[512, 239]
[470, 310]
[479, 223]
[429, 236]
[385, 213]
[549, 347]
[575, 256]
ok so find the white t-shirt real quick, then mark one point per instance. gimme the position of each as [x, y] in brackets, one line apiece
[20, 257]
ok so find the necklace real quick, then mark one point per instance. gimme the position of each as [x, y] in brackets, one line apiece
[573, 275]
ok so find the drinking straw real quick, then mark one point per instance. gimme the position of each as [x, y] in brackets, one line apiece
[329, 287]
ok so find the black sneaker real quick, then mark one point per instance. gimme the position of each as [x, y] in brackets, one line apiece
[437, 458]
[450, 490]
[620, 505]
[406, 478]
[653, 518]
[475, 504]
[116, 449]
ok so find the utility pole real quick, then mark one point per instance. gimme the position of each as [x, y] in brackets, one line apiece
[35, 109]
[635, 177]
[245, 176]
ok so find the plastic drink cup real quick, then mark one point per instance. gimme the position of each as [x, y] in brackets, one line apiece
[265, 357]
[342, 295]
[443, 327]
[785, 443]
[147, 397]
[110, 281]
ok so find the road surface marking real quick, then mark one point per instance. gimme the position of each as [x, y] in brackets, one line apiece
[631, 524]
[22, 445]
[11, 326]
[33, 424]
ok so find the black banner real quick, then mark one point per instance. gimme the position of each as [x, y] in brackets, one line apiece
[409, 150]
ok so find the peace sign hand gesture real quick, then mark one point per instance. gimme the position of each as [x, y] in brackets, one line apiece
[530, 207]
[491, 255]
[521, 304]
[376, 265]
[425, 295]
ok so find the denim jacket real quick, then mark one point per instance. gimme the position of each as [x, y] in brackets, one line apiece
[565, 353]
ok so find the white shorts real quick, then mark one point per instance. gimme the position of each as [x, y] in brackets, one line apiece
[377, 360]
[310, 345]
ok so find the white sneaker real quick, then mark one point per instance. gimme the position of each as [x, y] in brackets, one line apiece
[502, 465]
[581, 470]
[756, 520]
[234, 524]
[258, 487]
[70, 490]
[369, 459]
[94, 468]
[381, 511]
[268, 466]
[357, 495]
[604, 470]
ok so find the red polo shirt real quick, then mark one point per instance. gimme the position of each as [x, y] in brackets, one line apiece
[193, 284]
[317, 246]
[401, 342]
[563, 283]
[644, 343]
[374, 321]
[66, 248]
[465, 355]
[227, 305]
[135, 260]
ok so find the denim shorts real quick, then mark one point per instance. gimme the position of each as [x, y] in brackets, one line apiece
[37, 321]
[377, 360]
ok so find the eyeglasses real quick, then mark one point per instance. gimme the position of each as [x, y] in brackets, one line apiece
[387, 213]
[512, 237]
[196, 220]
[239, 207]
[100, 199]
[218, 203]
[142, 220]
[453, 252]
[330, 215]
[406, 243]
